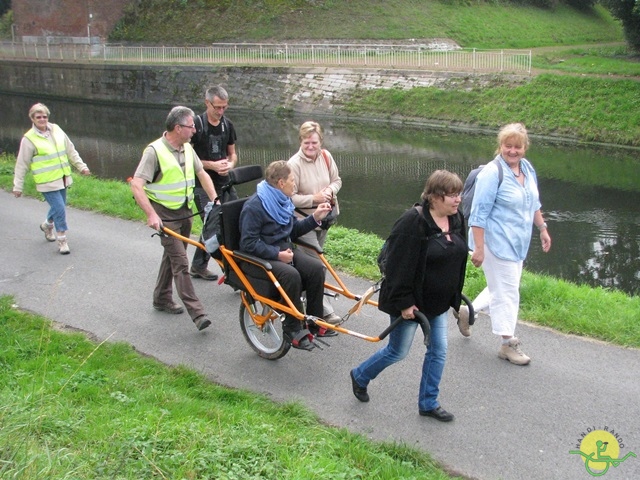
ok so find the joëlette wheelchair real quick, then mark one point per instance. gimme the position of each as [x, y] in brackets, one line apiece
[264, 302]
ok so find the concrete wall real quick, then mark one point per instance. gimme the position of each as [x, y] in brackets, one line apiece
[43, 20]
[306, 90]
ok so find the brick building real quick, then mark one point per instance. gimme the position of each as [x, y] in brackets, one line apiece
[65, 21]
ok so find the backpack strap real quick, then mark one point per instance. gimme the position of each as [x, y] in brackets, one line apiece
[500, 172]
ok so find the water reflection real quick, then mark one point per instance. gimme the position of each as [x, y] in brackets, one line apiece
[590, 195]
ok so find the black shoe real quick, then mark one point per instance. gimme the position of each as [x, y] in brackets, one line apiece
[360, 392]
[438, 413]
[202, 322]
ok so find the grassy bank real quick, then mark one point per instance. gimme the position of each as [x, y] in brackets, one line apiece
[471, 24]
[72, 409]
[591, 312]
[588, 109]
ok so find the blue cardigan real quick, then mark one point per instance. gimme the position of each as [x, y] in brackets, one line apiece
[262, 236]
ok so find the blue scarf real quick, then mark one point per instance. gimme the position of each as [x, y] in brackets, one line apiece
[277, 204]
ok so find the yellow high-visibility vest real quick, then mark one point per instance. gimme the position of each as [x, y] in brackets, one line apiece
[175, 185]
[50, 161]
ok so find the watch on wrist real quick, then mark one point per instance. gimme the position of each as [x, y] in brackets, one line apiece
[543, 226]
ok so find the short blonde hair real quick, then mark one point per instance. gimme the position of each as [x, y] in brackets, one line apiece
[38, 108]
[309, 128]
[513, 130]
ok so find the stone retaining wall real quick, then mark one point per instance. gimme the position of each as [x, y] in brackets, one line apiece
[304, 90]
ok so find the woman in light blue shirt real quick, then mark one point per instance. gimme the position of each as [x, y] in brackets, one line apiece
[502, 215]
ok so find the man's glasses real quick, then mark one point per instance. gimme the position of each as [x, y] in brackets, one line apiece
[187, 126]
[38, 117]
[454, 195]
[218, 107]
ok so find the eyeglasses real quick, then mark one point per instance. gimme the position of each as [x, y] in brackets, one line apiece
[453, 195]
[187, 126]
[218, 107]
[38, 117]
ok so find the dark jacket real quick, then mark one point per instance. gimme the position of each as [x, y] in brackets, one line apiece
[262, 236]
[427, 273]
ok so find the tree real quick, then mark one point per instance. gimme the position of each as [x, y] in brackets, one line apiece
[5, 6]
[628, 12]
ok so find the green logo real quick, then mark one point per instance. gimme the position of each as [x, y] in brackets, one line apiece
[600, 449]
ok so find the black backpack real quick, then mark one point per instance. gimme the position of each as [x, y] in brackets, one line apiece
[470, 187]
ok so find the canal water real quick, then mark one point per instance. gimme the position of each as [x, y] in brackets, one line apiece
[590, 194]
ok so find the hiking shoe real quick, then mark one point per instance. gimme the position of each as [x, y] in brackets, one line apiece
[202, 322]
[170, 307]
[332, 318]
[63, 247]
[511, 351]
[47, 228]
[462, 316]
[360, 392]
[204, 274]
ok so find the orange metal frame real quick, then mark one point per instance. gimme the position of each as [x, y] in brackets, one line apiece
[287, 307]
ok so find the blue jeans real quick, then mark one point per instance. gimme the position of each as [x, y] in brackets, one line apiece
[57, 208]
[400, 340]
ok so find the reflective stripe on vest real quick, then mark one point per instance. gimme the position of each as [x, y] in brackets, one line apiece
[50, 161]
[175, 186]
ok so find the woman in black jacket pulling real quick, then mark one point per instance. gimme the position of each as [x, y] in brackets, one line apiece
[425, 269]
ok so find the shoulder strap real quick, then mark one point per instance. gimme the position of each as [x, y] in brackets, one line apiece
[500, 172]
[456, 228]
[326, 159]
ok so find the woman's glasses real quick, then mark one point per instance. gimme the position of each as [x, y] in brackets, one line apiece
[39, 117]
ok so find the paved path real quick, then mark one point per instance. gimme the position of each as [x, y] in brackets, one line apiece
[511, 422]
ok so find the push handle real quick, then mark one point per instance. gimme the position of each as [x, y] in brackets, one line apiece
[419, 317]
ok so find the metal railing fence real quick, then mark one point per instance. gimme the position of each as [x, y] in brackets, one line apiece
[286, 54]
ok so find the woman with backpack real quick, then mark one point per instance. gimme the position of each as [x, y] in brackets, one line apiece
[424, 271]
[501, 220]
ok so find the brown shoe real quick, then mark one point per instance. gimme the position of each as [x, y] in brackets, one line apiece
[202, 322]
[204, 274]
[171, 307]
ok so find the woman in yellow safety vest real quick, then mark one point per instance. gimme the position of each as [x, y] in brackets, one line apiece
[47, 152]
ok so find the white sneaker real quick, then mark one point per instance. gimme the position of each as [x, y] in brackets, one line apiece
[463, 320]
[63, 248]
[511, 351]
[47, 228]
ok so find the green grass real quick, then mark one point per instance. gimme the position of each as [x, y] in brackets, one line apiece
[603, 60]
[471, 24]
[590, 109]
[73, 409]
[591, 312]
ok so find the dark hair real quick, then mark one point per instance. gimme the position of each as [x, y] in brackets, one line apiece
[440, 183]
